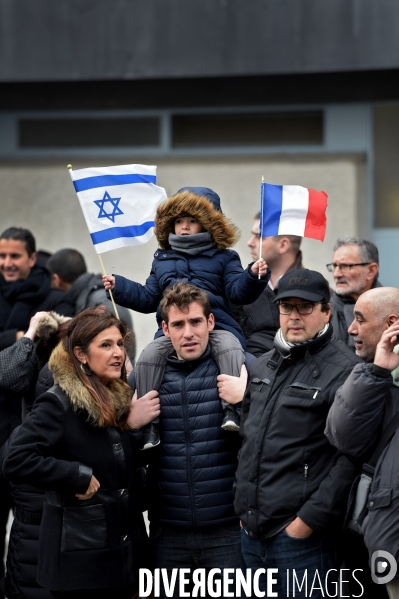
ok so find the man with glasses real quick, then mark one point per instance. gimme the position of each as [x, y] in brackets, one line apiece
[355, 270]
[292, 484]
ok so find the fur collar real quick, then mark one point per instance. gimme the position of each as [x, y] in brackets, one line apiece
[48, 325]
[66, 378]
[222, 230]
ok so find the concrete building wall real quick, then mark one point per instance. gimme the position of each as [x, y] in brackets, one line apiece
[109, 40]
[40, 196]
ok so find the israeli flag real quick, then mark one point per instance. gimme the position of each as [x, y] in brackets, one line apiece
[119, 203]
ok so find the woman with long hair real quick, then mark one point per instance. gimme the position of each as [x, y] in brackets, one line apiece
[77, 446]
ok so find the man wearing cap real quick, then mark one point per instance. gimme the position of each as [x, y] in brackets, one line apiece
[292, 484]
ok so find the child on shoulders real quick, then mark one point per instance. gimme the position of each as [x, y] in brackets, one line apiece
[194, 238]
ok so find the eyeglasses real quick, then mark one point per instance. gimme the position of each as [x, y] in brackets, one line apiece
[304, 308]
[344, 267]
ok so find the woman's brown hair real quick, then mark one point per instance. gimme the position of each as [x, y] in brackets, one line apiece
[81, 331]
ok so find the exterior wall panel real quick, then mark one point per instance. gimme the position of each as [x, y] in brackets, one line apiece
[143, 39]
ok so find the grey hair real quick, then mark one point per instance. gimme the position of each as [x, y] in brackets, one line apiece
[367, 249]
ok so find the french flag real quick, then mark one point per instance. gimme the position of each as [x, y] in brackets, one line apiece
[292, 210]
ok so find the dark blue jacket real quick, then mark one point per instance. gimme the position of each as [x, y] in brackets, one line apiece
[218, 272]
[191, 473]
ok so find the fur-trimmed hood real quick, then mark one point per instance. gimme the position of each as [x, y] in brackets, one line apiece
[65, 376]
[207, 211]
[48, 325]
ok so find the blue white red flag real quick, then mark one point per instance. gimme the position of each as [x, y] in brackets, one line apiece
[119, 203]
[292, 210]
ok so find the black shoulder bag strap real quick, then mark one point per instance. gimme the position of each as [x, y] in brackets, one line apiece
[55, 390]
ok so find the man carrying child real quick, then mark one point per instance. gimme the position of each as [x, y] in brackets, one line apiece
[194, 236]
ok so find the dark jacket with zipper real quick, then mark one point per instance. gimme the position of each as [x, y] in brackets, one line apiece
[287, 468]
[84, 544]
[190, 476]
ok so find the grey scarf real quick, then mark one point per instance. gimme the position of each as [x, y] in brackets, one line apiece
[191, 244]
[285, 346]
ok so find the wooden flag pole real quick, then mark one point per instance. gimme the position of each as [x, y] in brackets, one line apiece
[109, 290]
[104, 273]
[260, 222]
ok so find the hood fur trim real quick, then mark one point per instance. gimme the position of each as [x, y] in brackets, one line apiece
[224, 233]
[48, 325]
[65, 376]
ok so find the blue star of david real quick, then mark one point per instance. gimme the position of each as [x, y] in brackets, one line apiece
[114, 202]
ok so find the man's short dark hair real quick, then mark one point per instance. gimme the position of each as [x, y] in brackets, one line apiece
[68, 264]
[181, 295]
[368, 251]
[20, 234]
[325, 306]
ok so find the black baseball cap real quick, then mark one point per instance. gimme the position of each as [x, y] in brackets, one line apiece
[303, 283]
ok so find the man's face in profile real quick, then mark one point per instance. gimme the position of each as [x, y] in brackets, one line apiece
[269, 244]
[366, 328]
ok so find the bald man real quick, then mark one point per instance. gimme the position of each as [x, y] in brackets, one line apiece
[364, 406]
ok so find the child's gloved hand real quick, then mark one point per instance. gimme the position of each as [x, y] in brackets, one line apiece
[259, 267]
[108, 281]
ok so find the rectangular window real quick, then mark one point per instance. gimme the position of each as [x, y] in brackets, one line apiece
[88, 133]
[212, 130]
[386, 172]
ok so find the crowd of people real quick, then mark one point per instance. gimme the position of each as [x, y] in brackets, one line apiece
[242, 429]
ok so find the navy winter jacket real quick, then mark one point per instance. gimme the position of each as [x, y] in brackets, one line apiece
[191, 473]
[218, 272]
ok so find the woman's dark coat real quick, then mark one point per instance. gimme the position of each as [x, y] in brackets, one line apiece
[100, 542]
[23, 545]
[19, 367]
